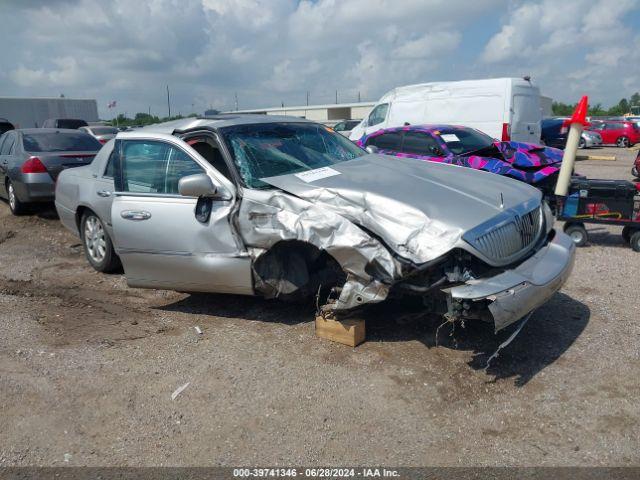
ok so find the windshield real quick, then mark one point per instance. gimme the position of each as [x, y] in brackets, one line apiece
[71, 123]
[59, 142]
[104, 130]
[465, 140]
[272, 149]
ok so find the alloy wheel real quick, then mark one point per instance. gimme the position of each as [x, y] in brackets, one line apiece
[94, 238]
[12, 196]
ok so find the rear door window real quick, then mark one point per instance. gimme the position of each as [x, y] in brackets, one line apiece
[387, 141]
[155, 167]
[59, 142]
[110, 168]
[420, 143]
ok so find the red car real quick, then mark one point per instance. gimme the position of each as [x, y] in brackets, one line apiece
[635, 170]
[623, 134]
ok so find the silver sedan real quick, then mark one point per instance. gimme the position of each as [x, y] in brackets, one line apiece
[285, 208]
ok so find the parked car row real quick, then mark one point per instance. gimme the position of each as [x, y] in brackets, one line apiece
[620, 133]
[554, 134]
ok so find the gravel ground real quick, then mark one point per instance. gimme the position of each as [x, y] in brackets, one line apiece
[88, 367]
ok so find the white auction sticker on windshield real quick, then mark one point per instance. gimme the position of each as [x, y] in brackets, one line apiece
[317, 174]
[449, 137]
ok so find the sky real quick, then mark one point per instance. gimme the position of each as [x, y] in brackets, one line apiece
[269, 52]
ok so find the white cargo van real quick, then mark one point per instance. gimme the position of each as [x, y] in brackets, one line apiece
[505, 108]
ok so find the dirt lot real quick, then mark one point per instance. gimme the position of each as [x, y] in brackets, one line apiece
[88, 366]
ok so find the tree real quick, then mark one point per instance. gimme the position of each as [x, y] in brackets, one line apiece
[562, 109]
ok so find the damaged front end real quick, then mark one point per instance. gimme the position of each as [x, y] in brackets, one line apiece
[513, 293]
[365, 247]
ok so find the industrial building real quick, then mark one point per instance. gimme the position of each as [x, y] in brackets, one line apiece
[319, 113]
[31, 112]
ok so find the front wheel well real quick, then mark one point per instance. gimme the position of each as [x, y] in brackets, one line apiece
[296, 270]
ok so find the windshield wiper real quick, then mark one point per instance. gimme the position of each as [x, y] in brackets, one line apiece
[486, 147]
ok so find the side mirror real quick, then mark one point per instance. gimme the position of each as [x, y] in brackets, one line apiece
[372, 149]
[199, 185]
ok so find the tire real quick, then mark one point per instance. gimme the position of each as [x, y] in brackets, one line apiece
[97, 245]
[627, 231]
[622, 142]
[578, 233]
[582, 143]
[634, 172]
[635, 241]
[15, 205]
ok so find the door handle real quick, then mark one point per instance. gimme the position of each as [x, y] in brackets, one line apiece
[103, 193]
[136, 215]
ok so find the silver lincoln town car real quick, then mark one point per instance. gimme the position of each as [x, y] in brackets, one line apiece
[286, 208]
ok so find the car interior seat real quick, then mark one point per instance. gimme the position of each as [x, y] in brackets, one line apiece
[212, 155]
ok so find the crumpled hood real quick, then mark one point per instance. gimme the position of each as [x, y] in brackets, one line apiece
[420, 209]
[525, 155]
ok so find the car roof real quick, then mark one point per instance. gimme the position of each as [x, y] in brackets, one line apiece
[48, 130]
[425, 127]
[217, 121]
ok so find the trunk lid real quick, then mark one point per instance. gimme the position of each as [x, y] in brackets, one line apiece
[527, 155]
[55, 162]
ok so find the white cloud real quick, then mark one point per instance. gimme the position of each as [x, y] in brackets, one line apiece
[276, 50]
[572, 47]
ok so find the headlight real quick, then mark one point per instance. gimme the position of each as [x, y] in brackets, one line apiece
[548, 216]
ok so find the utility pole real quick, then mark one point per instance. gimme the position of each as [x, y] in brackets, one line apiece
[336, 97]
[149, 110]
[359, 96]
[307, 98]
[168, 101]
[236, 97]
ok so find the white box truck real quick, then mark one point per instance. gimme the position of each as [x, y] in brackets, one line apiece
[504, 108]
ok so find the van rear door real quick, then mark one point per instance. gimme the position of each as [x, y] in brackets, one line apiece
[526, 117]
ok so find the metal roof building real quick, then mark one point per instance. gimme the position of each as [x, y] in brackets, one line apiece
[319, 113]
[31, 112]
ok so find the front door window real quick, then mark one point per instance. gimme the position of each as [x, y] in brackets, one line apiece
[154, 167]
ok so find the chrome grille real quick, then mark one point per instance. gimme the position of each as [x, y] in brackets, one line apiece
[511, 238]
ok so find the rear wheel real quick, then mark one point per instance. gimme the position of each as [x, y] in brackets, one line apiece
[635, 241]
[626, 233]
[582, 143]
[577, 232]
[97, 245]
[15, 205]
[622, 142]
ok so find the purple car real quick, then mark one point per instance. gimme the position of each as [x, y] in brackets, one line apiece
[467, 147]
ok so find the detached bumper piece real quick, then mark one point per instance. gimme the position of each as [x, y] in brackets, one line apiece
[513, 294]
